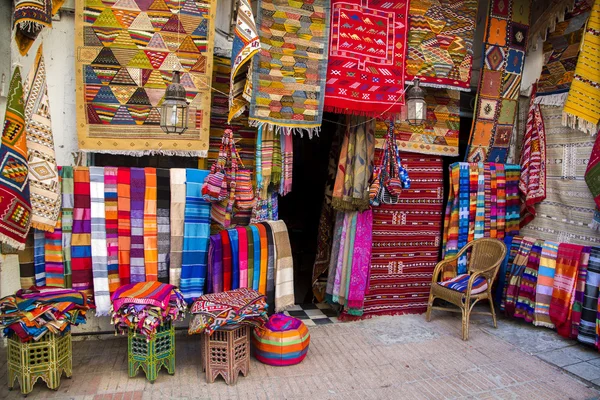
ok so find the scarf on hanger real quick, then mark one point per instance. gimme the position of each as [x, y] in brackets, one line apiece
[99, 250]
[124, 223]
[163, 185]
[227, 260]
[66, 175]
[81, 245]
[138, 189]
[111, 206]
[150, 226]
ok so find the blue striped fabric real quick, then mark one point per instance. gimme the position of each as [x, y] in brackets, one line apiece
[196, 234]
[461, 282]
[39, 261]
[463, 211]
[235, 258]
[256, 255]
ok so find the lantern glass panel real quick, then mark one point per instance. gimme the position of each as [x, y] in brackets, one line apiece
[174, 116]
[416, 110]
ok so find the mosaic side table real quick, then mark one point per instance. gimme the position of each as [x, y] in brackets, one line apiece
[227, 353]
[152, 355]
[47, 359]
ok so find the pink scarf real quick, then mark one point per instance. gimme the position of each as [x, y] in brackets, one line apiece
[361, 263]
[243, 254]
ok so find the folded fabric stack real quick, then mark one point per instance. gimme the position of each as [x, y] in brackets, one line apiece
[239, 306]
[145, 306]
[31, 313]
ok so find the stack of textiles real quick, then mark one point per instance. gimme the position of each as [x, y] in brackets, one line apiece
[30, 314]
[145, 306]
[128, 225]
[553, 285]
[483, 201]
[256, 257]
[239, 306]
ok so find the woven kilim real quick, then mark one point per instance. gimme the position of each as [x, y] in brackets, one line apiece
[439, 134]
[564, 215]
[500, 81]
[126, 54]
[367, 49]
[406, 239]
[30, 17]
[43, 173]
[561, 50]
[582, 109]
[440, 42]
[15, 206]
[245, 45]
[288, 76]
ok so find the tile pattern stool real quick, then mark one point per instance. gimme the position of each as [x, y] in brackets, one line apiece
[227, 353]
[152, 355]
[46, 358]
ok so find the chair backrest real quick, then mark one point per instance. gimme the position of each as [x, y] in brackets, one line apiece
[485, 254]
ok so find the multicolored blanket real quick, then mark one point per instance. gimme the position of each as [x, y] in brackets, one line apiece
[563, 294]
[30, 17]
[81, 250]
[587, 325]
[15, 205]
[163, 219]
[138, 189]
[440, 43]
[288, 75]
[124, 227]
[98, 241]
[365, 74]
[66, 174]
[111, 208]
[150, 226]
[545, 285]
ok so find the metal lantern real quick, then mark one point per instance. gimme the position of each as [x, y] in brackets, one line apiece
[174, 110]
[416, 107]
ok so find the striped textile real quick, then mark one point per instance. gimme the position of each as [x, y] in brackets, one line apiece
[545, 284]
[256, 257]
[283, 341]
[66, 174]
[235, 258]
[178, 177]
[195, 237]
[26, 264]
[481, 209]
[163, 219]
[514, 274]
[511, 249]
[226, 246]
[112, 227]
[243, 259]
[53, 255]
[138, 189]
[284, 267]
[513, 202]
[215, 259]
[567, 263]
[587, 326]
[39, 262]
[501, 205]
[473, 184]
[81, 241]
[152, 293]
[264, 258]
[525, 306]
[271, 262]
[150, 226]
[124, 223]
[579, 291]
[251, 244]
[461, 282]
[361, 262]
[99, 249]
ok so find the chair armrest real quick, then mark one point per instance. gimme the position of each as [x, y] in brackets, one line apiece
[440, 265]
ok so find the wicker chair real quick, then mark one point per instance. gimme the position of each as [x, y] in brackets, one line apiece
[484, 261]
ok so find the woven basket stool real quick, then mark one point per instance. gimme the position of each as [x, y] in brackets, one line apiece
[152, 355]
[47, 359]
[227, 353]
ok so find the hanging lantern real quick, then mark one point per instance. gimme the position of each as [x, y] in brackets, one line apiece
[174, 110]
[416, 107]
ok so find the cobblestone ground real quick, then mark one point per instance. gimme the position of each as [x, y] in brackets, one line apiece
[400, 357]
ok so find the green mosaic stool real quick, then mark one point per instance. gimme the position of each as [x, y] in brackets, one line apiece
[47, 359]
[152, 355]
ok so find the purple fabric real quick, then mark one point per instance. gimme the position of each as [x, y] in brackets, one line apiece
[340, 261]
[138, 188]
[216, 263]
[361, 260]
[282, 323]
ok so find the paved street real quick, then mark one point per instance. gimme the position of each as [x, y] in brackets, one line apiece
[400, 357]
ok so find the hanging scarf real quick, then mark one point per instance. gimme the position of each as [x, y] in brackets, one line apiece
[452, 218]
[267, 145]
[361, 262]
[579, 291]
[43, 173]
[271, 258]
[545, 284]
[111, 207]
[258, 162]
[287, 147]
[565, 276]
[592, 178]
[480, 203]
[587, 325]
[177, 223]
[250, 255]
[512, 246]
[284, 267]
[124, 223]
[53, 253]
[347, 258]
[195, 236]
[235, 258]
[66, 175]
[532, 183]
[277, 167]
[26, 264]
[493, 201]
[150, 226]
[227, 261]
[15, 206]
[138, 189]
[215, 258]
[502, 211]
[30, 17]
[515, 274]
[335, 295]
[39, 262]
[81, 250]
[243, 257]
[525, 305]
[264, 258]
[163, 184]
[582, 109]
[464, 204]
[256, 257]
[99, 251]
[333, 262]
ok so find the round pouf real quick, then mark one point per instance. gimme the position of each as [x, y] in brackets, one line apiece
[283, 341]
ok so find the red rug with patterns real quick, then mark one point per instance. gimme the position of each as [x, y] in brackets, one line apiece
[406, 240]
